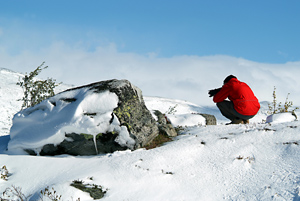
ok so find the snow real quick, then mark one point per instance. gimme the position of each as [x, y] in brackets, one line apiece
[257, 161]
[186, 120]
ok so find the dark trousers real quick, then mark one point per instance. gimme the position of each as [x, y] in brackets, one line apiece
[227, 109]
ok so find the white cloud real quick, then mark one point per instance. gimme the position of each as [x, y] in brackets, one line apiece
[181, 77]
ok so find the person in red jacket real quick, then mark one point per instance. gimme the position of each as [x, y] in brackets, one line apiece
[242, 104]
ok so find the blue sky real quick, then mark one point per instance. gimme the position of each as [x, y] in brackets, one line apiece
[262, 31]
[168, 48]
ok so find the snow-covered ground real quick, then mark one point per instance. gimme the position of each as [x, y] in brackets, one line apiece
[257, 161]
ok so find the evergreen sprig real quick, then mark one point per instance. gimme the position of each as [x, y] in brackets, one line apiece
[35, 91]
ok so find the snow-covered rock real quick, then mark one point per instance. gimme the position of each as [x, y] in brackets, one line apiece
[281, 117]
[101, 117]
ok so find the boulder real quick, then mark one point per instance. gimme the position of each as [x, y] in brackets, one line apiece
[165, 127]
[168, 130]
[97, 118]
[209, 119]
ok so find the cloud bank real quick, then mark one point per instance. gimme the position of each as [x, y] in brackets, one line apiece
[184, 77]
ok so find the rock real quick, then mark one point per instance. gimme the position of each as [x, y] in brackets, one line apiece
[161, 118]
[97, 118]
[210, 119]
[95, 191]
[83, 144]
[165, 127]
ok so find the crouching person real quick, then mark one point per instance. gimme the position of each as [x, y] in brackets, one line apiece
[242, 104]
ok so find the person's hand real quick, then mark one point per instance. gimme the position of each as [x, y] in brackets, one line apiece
[213, 92]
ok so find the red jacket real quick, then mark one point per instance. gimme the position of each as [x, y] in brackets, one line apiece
[241, 95]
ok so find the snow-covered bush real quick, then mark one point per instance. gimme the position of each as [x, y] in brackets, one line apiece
[35, 91]
[4, 173]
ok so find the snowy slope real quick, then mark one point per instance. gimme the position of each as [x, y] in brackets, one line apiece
[237, 162]
[9, 93]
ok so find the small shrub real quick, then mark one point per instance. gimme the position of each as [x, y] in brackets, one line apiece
[35, 91]
[49, 194]
[172, 110]
[4, 173]
[275, 107]
[14, 193]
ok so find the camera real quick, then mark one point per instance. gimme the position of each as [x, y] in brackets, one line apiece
[213, 92]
